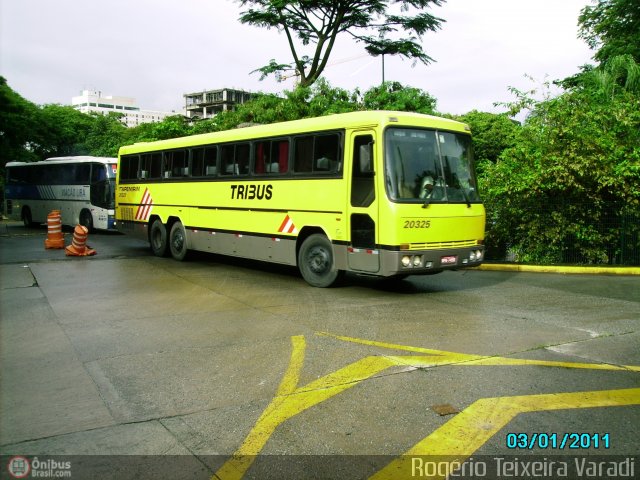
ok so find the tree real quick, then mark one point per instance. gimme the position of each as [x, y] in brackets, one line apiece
[492, 134]
[319, 22]
[612, 27]
[107, 134]
[61, 131]
[563, 191]
[395, 96]
[18, 120]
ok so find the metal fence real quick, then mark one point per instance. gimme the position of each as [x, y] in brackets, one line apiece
[614, 235]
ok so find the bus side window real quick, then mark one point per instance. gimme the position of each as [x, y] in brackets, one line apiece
[167, 164]
[129, 167]
[179, 166]
[303, 154]
[280, 159]
[197, 162]
[235, 159]
[327, 153]
[242, 158]
[227, 160]
[151, 163]
[98, 172]
[261, 160]
[271, 157]
[211, 161]
[82, 173]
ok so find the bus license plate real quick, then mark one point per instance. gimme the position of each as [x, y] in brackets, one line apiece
[448, 260]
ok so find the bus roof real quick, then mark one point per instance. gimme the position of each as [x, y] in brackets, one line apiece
[65, 160]
[361, 119]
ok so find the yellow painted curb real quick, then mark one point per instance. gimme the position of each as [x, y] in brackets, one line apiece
[560, 269]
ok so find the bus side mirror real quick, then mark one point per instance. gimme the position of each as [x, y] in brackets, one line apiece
[366, 158]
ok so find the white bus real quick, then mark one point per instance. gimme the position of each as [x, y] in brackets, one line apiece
[82, 188]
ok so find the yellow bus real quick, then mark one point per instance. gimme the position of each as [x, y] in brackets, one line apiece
[376, 192]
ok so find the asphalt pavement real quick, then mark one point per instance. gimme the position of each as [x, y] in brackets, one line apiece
[125, 365]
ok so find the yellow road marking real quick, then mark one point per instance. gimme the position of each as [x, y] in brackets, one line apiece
[461, 436]
[443, 357]
[291, 399]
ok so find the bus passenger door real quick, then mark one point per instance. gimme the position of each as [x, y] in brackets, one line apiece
[362, 254]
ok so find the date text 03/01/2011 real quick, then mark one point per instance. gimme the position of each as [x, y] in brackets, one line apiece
[560, 441]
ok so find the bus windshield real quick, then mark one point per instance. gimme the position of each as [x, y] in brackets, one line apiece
[425, 166]
[112, 169]
[103, 185]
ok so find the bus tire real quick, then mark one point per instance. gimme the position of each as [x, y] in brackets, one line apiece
[158, 238]
[86, 220]
[27, 219]
[178, 241]
[315, 262]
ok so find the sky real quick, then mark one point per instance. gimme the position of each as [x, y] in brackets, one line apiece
[158, 50]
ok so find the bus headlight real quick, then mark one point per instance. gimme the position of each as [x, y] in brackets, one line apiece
[478, 255]
[417, 261]
[472, 256]
[406, 261]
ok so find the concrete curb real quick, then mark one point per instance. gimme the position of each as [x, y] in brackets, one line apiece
[504, 267]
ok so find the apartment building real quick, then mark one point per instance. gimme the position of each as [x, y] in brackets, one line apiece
[133, 115]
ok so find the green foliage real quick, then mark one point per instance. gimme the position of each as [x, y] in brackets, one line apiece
[319, 22]
[492, 134]
[61, 131]
[575, 163]
[106, 135]
[395, 96]
[17, 124]
[612, 27]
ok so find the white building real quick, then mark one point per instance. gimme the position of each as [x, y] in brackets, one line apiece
[94, 101]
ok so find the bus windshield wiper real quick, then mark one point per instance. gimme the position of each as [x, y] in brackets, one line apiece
[466, 197]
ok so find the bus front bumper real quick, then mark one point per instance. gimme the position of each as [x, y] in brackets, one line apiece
[424, 262]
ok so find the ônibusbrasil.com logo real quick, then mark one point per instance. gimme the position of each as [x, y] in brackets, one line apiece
[20, 467]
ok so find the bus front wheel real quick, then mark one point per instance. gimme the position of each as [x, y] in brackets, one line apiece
[315, 261]
[27, 219]
[86, 220]
[178, 241]
[158, 238]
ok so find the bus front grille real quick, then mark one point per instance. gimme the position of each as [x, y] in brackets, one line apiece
[439, 245]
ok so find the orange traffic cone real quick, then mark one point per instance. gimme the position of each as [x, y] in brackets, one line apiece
[54, 231]
[78, 245]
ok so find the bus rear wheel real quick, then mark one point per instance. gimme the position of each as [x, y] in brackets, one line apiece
[315, 261]
[178, 241]
[158, 238]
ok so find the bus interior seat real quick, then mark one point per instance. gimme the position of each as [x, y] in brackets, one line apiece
[211, 170]
[323, 164]
[273, 167]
